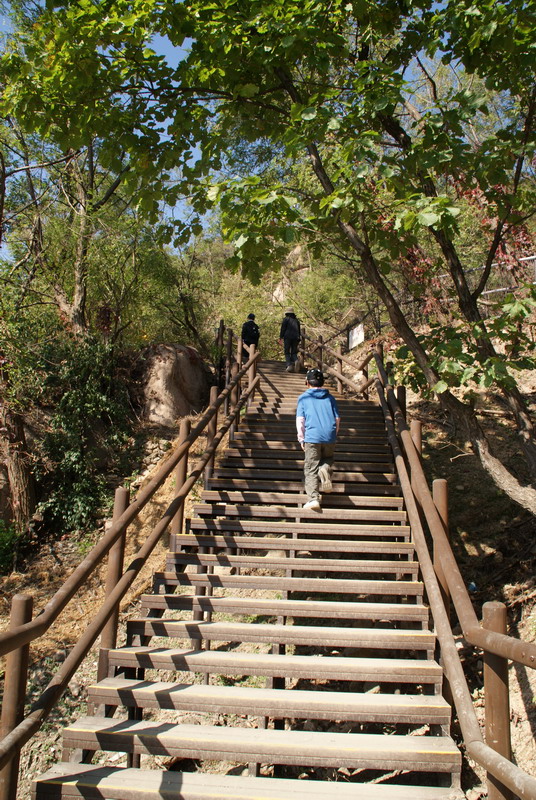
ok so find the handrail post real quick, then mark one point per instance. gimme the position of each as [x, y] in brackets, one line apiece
[16, 677]
[365, 378]
[416, 437]
[401, 398]
[233, 402]
[301, 349]
[339, 369]
[416, 434]
[497, 703]
[379, 351]
[441, 501]
[320, 349]
[181, 472]
[228, 365]
[115, 570]
[252, 372]
[212, 427]
[219, 349]
[240, 351]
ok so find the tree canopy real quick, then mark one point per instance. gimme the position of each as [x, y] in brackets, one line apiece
[398, 134]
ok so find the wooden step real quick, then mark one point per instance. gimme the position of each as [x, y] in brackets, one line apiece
[292, 447]
[91, 782]
[349, 706]
[339, 668]
[284, 512]
[308, 635]
[313, 526]
[260, 484]
[363, 588]
[240, 542]
[366, 429]
[290, 474]
[281, 436]
[270, 607]
[305, 748]
[365, 423]
[289, 464]
[261, 456]
[350, 566]
[290, 498]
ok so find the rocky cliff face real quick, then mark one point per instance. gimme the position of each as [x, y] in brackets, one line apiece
[176, 383]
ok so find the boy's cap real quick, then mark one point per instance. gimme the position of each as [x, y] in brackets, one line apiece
[289, 310]
[315, 377]
[251, 316]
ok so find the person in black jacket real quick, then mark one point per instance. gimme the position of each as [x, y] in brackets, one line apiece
[250, 331]
[290, 334]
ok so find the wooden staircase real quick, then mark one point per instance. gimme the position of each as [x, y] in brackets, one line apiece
[284, 653]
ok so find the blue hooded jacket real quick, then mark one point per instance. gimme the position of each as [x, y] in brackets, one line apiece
[319, 410]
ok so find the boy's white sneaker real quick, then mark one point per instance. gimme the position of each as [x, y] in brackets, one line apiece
[312, 505]
[326, 485]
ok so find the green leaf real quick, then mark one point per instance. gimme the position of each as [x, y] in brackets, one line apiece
[247, 90]
[428, 218]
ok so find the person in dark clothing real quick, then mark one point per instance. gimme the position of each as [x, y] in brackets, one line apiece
[317, 425]
[250, 331]
[290, 334]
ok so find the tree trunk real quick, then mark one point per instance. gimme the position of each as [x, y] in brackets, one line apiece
[21, 480]
[462, 413]
[465, 419]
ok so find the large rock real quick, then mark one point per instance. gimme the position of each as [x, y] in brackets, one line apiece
[177, 383]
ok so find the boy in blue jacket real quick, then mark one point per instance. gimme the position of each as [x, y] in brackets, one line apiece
[317, 423]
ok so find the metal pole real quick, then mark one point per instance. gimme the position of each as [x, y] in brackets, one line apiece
[211, 433]
[113, 575]
[16, 677]
[497, 701]
[181, 471]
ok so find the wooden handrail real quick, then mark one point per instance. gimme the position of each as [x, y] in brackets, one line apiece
[10, 640]
[40, 710]
[497, 765]
[340, 357]
[417, 494]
